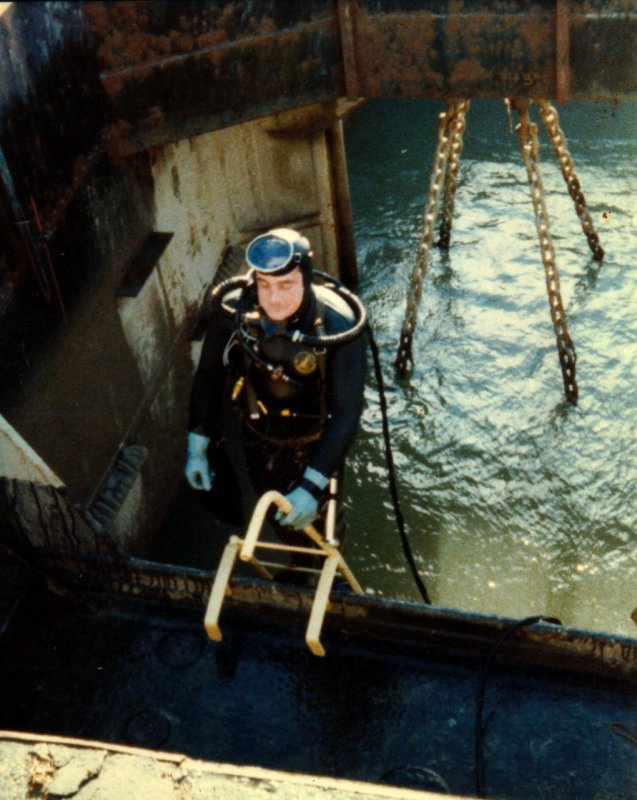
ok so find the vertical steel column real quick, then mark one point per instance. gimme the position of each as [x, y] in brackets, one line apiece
[350, 67]
[562, 51]
[343, 221]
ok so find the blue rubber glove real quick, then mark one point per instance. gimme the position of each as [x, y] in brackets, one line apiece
[304, 501]
[198, 472]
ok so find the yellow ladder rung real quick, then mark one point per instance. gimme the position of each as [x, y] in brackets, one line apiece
[290, 548]
[280, 565]
[261, 568]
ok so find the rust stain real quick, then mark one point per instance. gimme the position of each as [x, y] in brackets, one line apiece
[468, 72]
[194, 244]
[538, 35]
[267, 26]
[174, 174]
[140, 52]
[127, 38]
[399, 49]
[114, 137]
[310, 63]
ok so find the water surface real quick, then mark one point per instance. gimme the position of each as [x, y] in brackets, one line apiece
[515, 502]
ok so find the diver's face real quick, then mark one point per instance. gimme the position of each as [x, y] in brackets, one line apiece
[280, 296]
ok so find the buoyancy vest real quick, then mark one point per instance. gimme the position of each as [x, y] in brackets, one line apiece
[280, 383]
[284, 373]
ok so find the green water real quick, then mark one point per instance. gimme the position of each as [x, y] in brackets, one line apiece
[515, 502]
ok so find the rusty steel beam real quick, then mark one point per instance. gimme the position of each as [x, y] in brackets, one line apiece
[560, 49]
[85, 82]
[177, 69]
[173, 70]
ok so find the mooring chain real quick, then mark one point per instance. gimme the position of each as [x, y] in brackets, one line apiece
[551, 120]
[529, 145]
[453, 168]
[448, 121]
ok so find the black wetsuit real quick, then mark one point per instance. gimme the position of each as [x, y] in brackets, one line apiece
[310, 420]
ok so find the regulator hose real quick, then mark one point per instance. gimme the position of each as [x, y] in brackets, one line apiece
[391, 471]
[480, 727]
[224, 287]
[328, 340]
[325, 340]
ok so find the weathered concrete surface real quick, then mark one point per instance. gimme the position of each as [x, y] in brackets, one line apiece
[56, 768]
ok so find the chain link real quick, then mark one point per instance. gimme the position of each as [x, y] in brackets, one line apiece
[453, 168]
[527, 132]
[552, 122]
[448, 121]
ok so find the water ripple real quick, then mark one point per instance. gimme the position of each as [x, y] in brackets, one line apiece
[515, 503]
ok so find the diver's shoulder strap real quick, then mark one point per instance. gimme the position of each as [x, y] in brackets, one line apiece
[321, 353]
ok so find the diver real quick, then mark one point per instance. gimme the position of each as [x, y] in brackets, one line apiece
[284, 343]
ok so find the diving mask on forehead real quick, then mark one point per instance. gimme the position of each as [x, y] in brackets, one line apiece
[278, 251]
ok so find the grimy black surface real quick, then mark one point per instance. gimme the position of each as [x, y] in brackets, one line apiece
[370, 710]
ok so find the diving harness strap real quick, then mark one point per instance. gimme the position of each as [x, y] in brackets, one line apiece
[247, 334]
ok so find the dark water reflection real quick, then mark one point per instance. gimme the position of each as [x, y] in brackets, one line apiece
[515, 502]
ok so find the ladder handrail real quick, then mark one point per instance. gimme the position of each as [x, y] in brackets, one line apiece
[258, 518]
[256, 524]
[244, 548]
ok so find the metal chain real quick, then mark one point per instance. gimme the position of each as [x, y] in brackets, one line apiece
[447, 122]
[529, 145]
[453, 168]
[552, 122]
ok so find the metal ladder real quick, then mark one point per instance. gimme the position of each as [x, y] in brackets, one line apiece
[326, 548]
